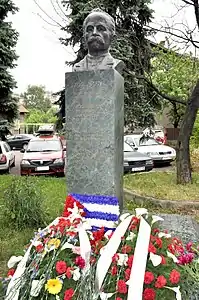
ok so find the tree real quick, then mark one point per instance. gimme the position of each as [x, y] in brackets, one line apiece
[131, 46]
[8, 40]
[38, 116]
[188, 37]
[175, 75]
[36, 98]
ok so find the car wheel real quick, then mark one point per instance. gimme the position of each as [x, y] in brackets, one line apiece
[61, 174]
[25, 146]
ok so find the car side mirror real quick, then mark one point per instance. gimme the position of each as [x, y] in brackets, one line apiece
[22, 150]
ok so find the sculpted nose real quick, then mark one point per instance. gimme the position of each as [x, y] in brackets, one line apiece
[94, 30]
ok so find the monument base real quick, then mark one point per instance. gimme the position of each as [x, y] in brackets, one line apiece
[94, 133]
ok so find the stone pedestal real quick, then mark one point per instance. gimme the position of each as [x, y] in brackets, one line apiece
[95, 126]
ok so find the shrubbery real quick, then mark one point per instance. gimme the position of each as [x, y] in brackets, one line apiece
[23, 203]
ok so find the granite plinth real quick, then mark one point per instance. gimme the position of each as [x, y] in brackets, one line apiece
[94, 133]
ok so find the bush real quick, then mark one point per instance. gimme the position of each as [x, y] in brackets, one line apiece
[23, 203]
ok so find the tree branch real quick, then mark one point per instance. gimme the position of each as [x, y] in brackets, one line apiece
[196, 8]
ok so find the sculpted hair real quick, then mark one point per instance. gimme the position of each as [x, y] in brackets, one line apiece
[109, 20]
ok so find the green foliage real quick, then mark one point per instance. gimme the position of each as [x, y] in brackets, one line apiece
[131, 46]
[38, 116]
[36, 98]
[195, 133]
[23, 203]
[8, 40]
[174, 75]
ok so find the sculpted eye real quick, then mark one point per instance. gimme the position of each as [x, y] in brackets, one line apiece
[89, 29]
[101, 28]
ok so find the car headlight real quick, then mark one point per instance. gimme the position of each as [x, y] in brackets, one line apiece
[58, 161]
[149, 162]
[25, 162]
[126, 163]
[152, 153]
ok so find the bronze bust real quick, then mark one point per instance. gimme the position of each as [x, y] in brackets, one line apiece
[99, 31]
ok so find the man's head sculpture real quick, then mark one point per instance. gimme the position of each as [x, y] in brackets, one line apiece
[99, 32]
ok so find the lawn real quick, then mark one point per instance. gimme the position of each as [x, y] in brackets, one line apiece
[161, 185]
[12, 241]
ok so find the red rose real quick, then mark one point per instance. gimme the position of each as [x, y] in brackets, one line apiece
[68, 294]
[149, 294]
[39, 248]
[126, 249]
[69, 273]
[80, 262]
[127, 273]
[148, 277]
[152, 248]
[163, 262]
[121, 287]
[130, 261]
[114, 270]
[160, 282]
[61, 267]
[11, 272]
[174, 277]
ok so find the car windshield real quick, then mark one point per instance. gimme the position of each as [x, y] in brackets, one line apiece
[44, 146]
[145, 141]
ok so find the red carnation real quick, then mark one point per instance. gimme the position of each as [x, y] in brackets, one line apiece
[69, 272]
[80, 262]
[130, 261]
[160, 282]
[163, 262]
[127, 273]
[148, 277]
[61, 267]
[68, 294]
[39, 248]
[114, 270]
[174, 276]
[152, 248]
[126, 249]
[158, 242]
[149, 294]
[11, 272]
[121, 287]
[99, 234]
[115, 258]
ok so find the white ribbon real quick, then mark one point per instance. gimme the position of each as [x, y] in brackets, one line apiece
[85, 248]
[105, 259]
[139, 262]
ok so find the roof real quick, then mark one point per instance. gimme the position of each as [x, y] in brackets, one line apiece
[22, 109]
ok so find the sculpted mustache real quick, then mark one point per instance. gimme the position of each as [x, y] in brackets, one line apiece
[95, 38]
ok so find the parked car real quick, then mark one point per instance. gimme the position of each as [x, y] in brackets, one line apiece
[7, 157]
[149, 146]
[19, 141]
[44, 156]
[135, 161]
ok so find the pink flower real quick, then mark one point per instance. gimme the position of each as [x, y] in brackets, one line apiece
[80, 262]
[185, 259]
[61, 267]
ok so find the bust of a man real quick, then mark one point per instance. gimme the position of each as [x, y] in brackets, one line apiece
[99, 31]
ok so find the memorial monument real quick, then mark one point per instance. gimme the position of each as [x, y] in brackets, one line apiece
[95, 114]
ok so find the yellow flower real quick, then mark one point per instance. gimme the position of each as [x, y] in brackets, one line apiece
[54, 242]
[53, 286]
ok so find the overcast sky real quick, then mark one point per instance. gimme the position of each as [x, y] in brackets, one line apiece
[41, 56]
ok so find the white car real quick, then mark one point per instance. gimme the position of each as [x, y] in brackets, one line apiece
[158, 152]
[7, 157]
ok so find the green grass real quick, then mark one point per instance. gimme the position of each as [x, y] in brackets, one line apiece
[12, 242]
[162, 185]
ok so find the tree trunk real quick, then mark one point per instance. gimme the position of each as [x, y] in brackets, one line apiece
[183, 154]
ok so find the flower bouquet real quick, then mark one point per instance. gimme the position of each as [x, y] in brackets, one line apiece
[69, 260]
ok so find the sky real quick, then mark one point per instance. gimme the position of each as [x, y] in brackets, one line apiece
[41, 55]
